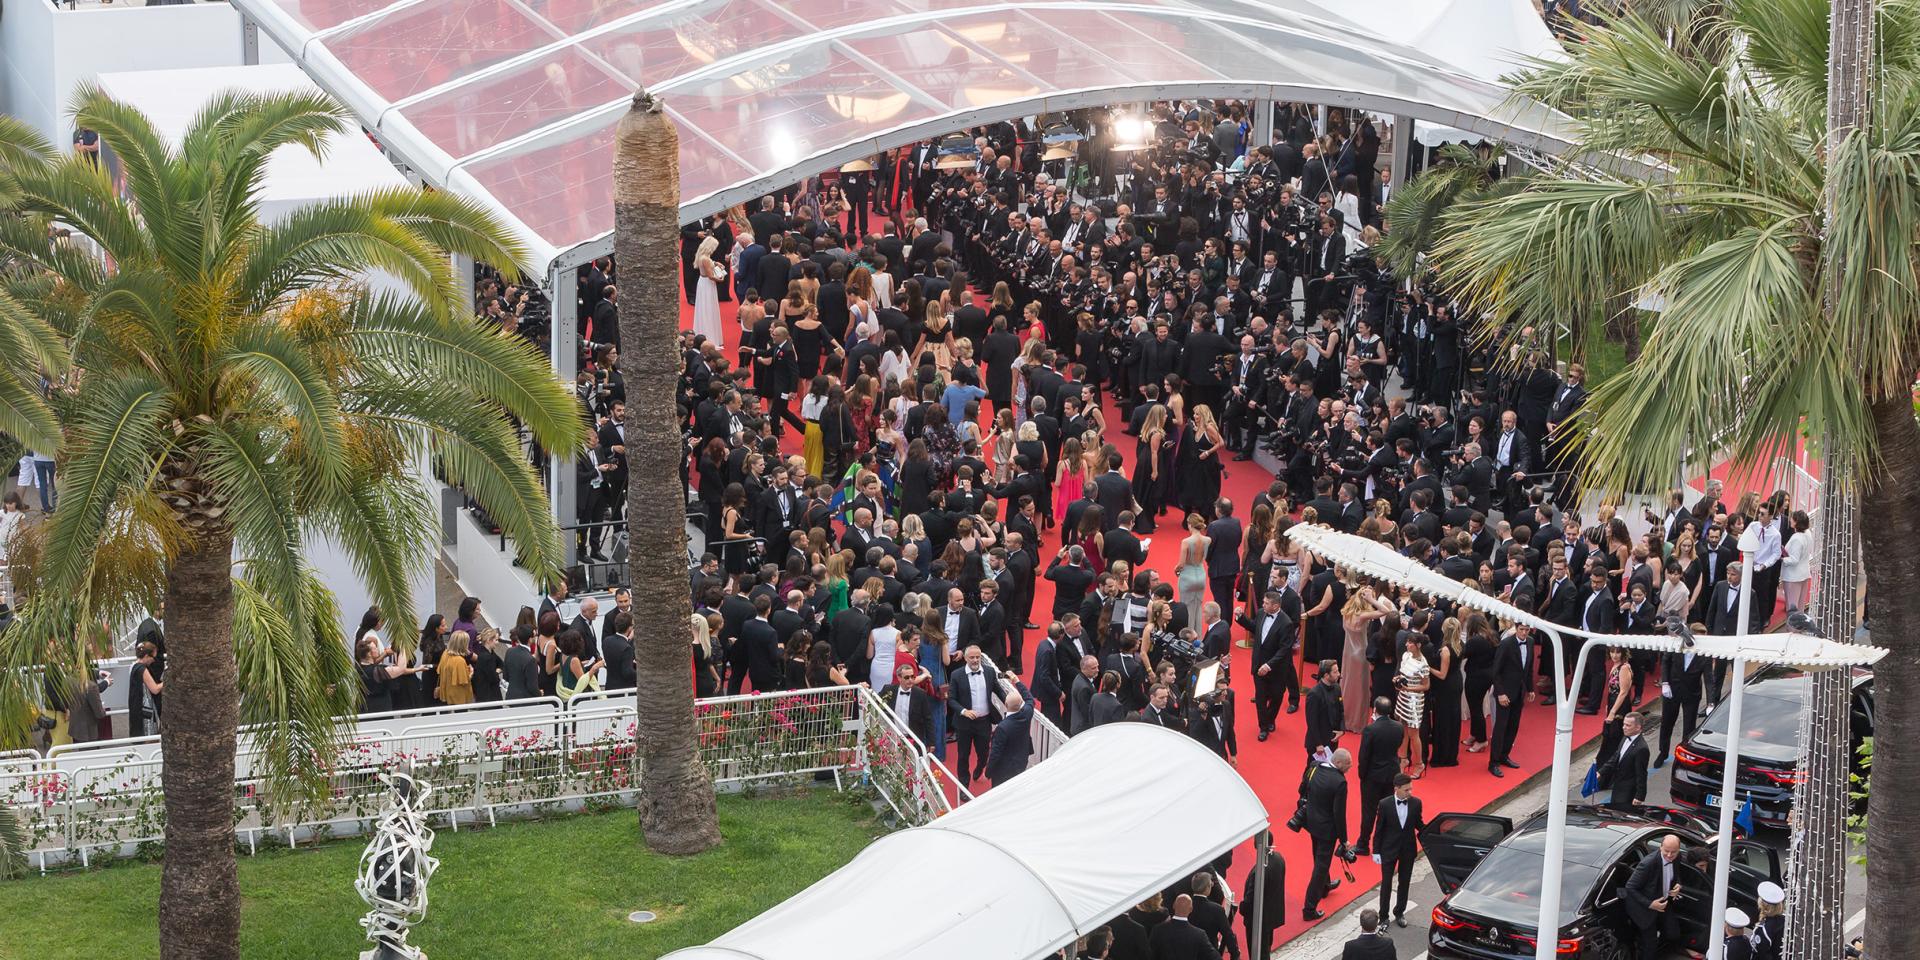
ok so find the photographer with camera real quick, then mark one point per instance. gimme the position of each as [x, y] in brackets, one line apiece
[1322, 812]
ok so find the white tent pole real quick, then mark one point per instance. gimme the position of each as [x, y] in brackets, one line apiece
[1547, 936]
[1730, 772]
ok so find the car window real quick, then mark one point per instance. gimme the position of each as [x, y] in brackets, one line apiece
[1470, 830]
[1506, 886]
[1765, 719]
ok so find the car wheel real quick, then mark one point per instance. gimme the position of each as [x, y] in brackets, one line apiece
[1605, 944]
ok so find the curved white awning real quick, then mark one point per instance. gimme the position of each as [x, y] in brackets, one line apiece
[1022, 870]
[513, 102]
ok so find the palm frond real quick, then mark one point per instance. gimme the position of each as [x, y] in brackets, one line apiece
[112, 442]
[273, 362]
[293, 693]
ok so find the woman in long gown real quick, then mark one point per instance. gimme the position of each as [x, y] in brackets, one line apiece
[706, 295]
[1363, 607]
[1444, 700]
[1191, 573]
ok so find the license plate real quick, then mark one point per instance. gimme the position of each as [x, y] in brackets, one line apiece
[1713, 800]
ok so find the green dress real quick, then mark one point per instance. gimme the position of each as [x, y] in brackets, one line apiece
[837, 596]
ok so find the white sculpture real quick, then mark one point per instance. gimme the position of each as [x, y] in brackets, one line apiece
[394, 871]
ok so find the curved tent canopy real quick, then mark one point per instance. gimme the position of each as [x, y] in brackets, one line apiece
[513, 102]
[1044, 876]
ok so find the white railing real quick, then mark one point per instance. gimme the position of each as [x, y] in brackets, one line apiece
[84, 804]
[896, 763]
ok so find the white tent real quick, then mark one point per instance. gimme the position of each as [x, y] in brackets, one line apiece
[1032, 865]
[1487, 38]
[171, 99]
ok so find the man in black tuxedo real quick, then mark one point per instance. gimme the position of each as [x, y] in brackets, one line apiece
[919, 704]
[1624, 771]
[1210, 721]
[584, 623]
[849, 632]
[1324, 713]
[1273, 636]
[1513, 671]
[998, 353]
[972, 686]
[1371, 944]
[991, 618]
[1085, 684]
[1071, 577]
[1396, 843]
[1323, 793]
[618, 647]
[1012, 743]
[962, 622]
[766, 663]
[1114, 493]
[1723, 620]
[1648, 896]
[1379, 763]
[1512, 456]
[1159, 709]
[1681, 673]
[1273, 904]
[1133, 674]
[1176, 938]
[1223, 553]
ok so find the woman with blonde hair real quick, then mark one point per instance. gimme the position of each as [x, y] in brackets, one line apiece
[456, 671]
[838, 588]
[1190, 574]
[706, 670]
[1444, 698]
[1357, 615]
[938, 333]
[1200, 469]
[706, 295]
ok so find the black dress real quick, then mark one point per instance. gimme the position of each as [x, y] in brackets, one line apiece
[1478, 676]
[1146, 488]
[486, 675]
[706, 682]
[375, 688]
[808, 346]
[1443, 712]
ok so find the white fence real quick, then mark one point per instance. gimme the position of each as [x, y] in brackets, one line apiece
[88, 801]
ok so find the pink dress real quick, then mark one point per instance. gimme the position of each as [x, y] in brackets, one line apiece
[1068, 490]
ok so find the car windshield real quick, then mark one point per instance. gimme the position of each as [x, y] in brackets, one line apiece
[1766, 720]
[1506, 887]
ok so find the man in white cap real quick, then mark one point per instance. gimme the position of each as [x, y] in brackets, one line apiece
[1738, 947]
[1770, 934]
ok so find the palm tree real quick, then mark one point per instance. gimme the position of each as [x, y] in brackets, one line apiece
[223, 389]
[1459, 176]
[677, 814]
[1782, 239]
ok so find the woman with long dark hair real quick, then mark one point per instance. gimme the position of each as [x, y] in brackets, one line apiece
[1476, 654]
[433, 643]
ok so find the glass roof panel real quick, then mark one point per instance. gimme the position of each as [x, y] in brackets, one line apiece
[945, 66]
[422, 46]
[831, 14]
[469, 118]
[579, 16]
[326, 14]
[1142, 44]
[774, 113]
[1027, 44]
[674, 42]
[563, 191]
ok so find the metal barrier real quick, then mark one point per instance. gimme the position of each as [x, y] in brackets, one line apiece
[86, 804]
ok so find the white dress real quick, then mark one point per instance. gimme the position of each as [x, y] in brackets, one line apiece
[706, 303]
[1411, 704]
[883, 289]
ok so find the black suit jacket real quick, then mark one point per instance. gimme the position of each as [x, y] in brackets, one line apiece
[1114, 495]
[1133, 679]
[919, 710]
[1201, 727]
[1644, 887]
[1178, 939]
[1379, 757]
[1626, 774]
[1323, 716]
[960, 692]
[1392, 841]
[620, 663]
[1369, 946]
[1223, 551]
[1325, 790]
[765, 664]
[1511, 678]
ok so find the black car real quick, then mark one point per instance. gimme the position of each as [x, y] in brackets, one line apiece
[1772, 715]
[1491, 873]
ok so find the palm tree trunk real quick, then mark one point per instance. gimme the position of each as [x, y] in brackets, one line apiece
[1893, 590]
[1817, 875]
[677, 814]
[199, 893]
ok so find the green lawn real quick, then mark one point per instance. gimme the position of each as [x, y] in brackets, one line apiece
[556, 888]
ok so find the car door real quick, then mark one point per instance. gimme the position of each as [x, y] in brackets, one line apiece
[1457, 842]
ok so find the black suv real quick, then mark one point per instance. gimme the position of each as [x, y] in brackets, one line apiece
[1772, 714]
[1491, 873]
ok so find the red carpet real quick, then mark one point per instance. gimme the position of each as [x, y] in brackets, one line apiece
[1273, 768]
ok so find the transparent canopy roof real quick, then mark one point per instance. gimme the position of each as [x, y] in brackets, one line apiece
[513, 102]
